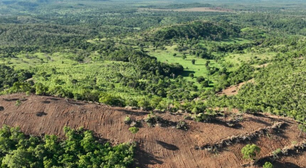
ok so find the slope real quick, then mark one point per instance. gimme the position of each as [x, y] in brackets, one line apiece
[159, 146]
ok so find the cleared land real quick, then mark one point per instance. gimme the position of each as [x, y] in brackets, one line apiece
[233, 90]
[159, 146]
[197, 9]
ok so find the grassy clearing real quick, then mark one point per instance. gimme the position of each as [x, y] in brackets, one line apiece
[59, 70]
[166, 56]
[238, 59]
[198, 69]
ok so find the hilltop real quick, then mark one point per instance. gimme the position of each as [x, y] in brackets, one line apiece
[195, 29]
[161, 145]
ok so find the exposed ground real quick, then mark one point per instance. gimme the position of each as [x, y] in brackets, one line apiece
[159, 146]
[197, 9]
[233, 90]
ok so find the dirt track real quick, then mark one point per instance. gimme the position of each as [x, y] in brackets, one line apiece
[158, 146]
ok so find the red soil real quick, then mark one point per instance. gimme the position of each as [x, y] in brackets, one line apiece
[196, 9]
[233, 90]
[158, 146]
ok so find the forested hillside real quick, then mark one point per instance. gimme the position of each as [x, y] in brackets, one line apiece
[78, 150]
[209, 62]
[197, 29]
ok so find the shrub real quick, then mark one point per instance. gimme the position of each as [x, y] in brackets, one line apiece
[151, 119]
[79, 149]
[18, 103]
[200, 79]
[144, 104]
[181, 125]
[276, 152]
[111, 100]
[193, 61]
[134, 130]
[268, 165]
[155, 101]
[132, 102]
[127, 120]
[250, 151]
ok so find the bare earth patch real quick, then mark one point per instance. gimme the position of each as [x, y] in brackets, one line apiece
[233, 90]
[197, 9]
[159, 146]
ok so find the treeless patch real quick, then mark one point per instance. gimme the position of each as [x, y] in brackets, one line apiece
[233, 90]
[157, 146]
[196, 9]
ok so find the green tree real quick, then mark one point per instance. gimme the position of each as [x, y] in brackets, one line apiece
[250, 151]
[40, 89]
[18, 103]
[134, 130]
[200, 79]
[143, 103]
[191, 75]
[302, 129]
[193, 61]
[155, 101]
[17, 158]
[267, 165]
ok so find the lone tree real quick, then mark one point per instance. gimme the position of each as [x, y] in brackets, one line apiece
[193, 61]
[267, 165]
[134, 130]
[250, 151]
[200, 79]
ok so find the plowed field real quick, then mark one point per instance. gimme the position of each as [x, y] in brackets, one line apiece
[160, 146]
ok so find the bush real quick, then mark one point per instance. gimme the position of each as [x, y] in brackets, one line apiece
[132, 102]
[268, 165]
[144, 104]
[193, 61]
[111, 100]
[18, 103]
[40, 89]
[151, 119]
[155, 101]
[200, 79]
[79, 149]
[127, 120]
[250, 151]
[276, 152]
[181, 125]
[134, 130]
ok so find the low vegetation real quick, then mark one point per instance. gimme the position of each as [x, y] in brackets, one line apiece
[79, 149]
[250, 151]
[152, 57]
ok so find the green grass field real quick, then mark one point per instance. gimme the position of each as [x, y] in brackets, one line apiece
[166, 56]
[60, 70]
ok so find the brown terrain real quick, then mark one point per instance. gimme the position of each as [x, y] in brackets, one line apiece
[233, 90]
[196, 9]
[203, 145]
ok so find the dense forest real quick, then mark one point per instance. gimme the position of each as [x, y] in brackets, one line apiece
[80, 149]
[148, 56]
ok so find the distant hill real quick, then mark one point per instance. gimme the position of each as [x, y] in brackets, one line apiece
[8, 2]
[195, 29]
